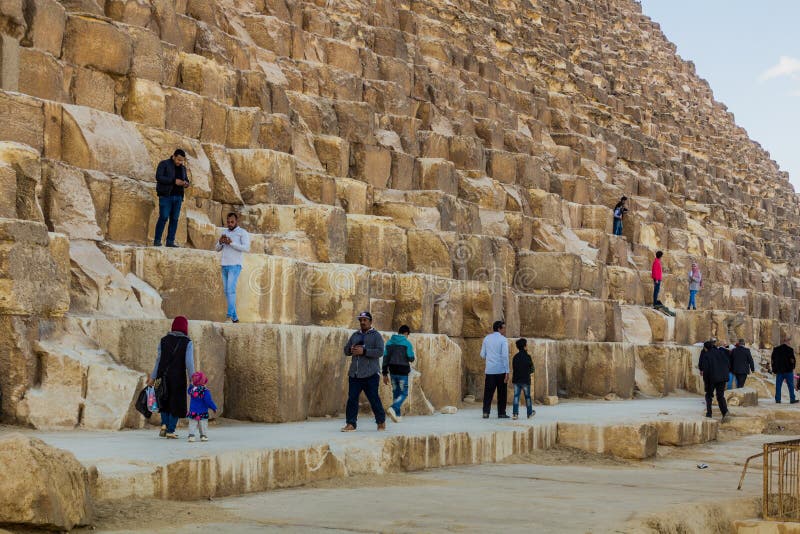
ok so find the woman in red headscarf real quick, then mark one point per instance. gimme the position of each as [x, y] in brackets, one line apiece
[174, 363]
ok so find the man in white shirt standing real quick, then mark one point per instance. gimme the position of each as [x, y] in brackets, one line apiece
[495, 352]
[233, 242]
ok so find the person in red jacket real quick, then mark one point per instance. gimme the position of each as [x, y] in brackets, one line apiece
[657, 277]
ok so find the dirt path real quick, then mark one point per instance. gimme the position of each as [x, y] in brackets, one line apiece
[561, 490]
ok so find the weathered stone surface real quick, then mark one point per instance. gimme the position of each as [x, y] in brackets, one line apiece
[43, 487]
[264, 176]
[91, 139]
[68, 205]
[34, 272]
[741, 397]
[681, 433]
[92, 42]
[636, 441]
[596, 369]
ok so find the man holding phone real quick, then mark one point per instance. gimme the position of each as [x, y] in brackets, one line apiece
[233, 243]
[171, 180]
[365, 347]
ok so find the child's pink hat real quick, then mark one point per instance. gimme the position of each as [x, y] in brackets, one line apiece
[199, 379]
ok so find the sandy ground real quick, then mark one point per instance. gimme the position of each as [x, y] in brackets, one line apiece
[560, 490]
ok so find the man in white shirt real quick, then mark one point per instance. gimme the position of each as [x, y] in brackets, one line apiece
[495, 352]
[233, 242]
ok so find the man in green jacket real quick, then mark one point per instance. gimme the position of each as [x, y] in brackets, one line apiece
[397, 357]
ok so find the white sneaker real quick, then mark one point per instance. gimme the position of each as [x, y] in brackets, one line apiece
[191, 439]
[203, 438]
[399, 419]
[391, 414]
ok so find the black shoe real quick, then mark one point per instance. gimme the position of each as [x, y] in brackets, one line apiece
[486, 416]
[234, 320]
[708, 415]
[156, 244]
[794, 401]
[173, 245]
[502, 416]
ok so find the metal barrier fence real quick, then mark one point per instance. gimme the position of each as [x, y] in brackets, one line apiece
[781, 501]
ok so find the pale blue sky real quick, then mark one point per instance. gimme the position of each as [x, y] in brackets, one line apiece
[749, 52]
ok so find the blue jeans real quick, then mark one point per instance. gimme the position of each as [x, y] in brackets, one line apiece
[169, 208]
[399, 391]
[779, 378]
[230, 276]
[519, 388]
[656, 289]
[730, 380]
[617, 226]
[369, 386]
[171, 421]
[692, 295]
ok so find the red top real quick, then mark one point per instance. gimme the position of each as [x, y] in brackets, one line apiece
[656, 273]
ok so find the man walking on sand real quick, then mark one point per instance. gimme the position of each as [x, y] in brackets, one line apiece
[495, 352]
[365, 347]
[233, 242]
[171, 180]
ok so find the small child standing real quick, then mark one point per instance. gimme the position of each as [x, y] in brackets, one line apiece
[200, 403]
[522, 365]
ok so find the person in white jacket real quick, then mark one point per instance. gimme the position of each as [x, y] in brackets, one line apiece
[233, 243]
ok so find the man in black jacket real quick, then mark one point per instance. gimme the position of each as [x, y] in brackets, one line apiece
[714, 366]
[171, 180]
[741, 363]
[783, 363]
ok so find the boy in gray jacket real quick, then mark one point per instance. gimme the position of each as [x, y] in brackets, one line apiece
[365, 347]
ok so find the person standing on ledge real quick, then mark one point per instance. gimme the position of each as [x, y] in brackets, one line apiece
[619, 213]
[783, 363]
[741, 363]
[695, 283]
[714, 366]
[171, 180]
[365, 347]
[657, 275]
[495, 352]
[233, 242]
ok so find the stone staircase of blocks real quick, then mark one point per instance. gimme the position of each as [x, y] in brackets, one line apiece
[442, 165]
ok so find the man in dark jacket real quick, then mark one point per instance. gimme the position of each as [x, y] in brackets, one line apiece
[741, 363]
[714, 365]
[365, 347]
[171, 180]
[783, 363]
[397, 357]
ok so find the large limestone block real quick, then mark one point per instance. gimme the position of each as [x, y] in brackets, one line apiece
[68, 205]
[98, 287]
[333, 153]
[92, 139]
[207, 78]
[34, 272]
[483, 304]
[146, 103]
[56, 400]
[438, 358]
[224, 188]
[325, 226]
[545, 354]
[26, 165]
[94, 89]
[683, 432]
[661, 369]
[264, 176]
[742, 397]
[438, 174]
[18, 361]
[338, 293]
[92, 42]
[377, 243]
[274, 289]
[596, 369]
[42, 76]
[429, 252]
[635, 441]
[564, 317]
[46, 22]
[548, 271]
[371, 164]
[8, 183]
[274, 373]
[132, 212]
[23, 119]
[662, 327]
[42, 487]
[635, 326]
